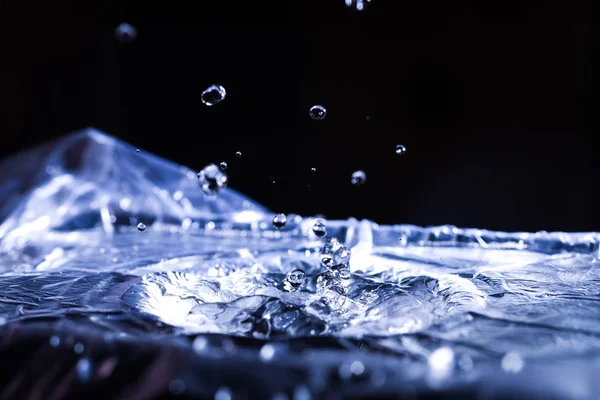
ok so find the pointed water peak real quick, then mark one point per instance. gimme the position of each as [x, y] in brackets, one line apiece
[89, 179]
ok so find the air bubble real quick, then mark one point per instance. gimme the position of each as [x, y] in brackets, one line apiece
[317, 112]
[214, 94]
[141, 227]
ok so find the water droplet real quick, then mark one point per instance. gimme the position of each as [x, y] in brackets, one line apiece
[302, 393]
[294, 279]
[212, 179]
[319, 229]
[141, 227]
[358, 5]
[177, 386]
[223, 393]
[137, 150]
[213, 94]
[200, 344]
[313, 169]
[84, 369]
[441, 363]
[54, 341]
[317, 112]
[357, 368]
[78, 348]
[400, 149]
[238, 154]
[223, 165]
[279, 221]
[358, 177]
[267, 352]
[334, 253]
[125, 33]
[512, 363]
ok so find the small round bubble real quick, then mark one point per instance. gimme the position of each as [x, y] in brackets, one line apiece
[279, 221]
[400, 149]
[141, 227]
[125, 33]
[319, 229]
[214, 94]
[317, 112]
[358, 177]
[223, 166]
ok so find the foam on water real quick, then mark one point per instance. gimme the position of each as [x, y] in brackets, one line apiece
[451, 298]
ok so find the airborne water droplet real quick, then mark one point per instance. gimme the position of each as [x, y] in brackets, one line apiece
[317, 112]
[279, 221]
[319, 229]
[141, 227]
[238, 154]
[125, 33]
[213, 94]
[223, 165]
[313, 170]
[358, 177]
[212, 179]
[358, 5]
[400, 149]
[294, 279]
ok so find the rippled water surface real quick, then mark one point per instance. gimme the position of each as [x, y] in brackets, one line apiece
[450, 301]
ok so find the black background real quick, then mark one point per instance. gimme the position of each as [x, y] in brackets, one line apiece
[495, 101]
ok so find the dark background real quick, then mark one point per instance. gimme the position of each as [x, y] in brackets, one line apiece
[495, 102]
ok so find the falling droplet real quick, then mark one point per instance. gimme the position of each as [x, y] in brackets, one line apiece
[400, 149]
[125, 33]
[313, 169]
[267, 352]
[334, 254]
[223, 393]
[141, 227]
[358, 5]
[317, 112]
[294, 279]
[137, 150]
[84, 369]
[223, 165]
[358, 177]
[319, 229]
[213, 94]
[279, 221]
[212, 179]
[78, 348]
[54, 341]
[238, 154]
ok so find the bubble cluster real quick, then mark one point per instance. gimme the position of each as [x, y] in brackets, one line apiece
[212, 179]
[125, 33]
[358, 177]
[294, 280]
[279, 221]
[319, 229]
[317, 112]
[214, 94]
[141, 227]
[400, 149]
